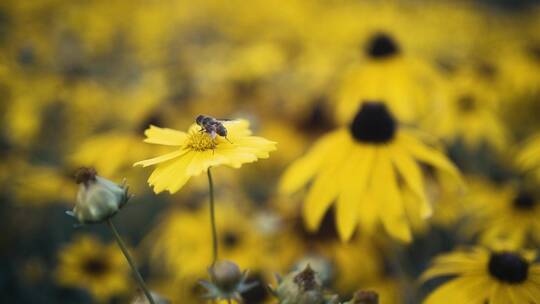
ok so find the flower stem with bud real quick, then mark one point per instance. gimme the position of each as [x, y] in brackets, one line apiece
[130, 261]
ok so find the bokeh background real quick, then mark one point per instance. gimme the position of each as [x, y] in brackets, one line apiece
[80, 81]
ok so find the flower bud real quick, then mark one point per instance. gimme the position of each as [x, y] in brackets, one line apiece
[301, 287]
[226, 275]
[98, 198]
[228, 282]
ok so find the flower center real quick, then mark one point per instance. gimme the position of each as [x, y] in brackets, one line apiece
[200, 141]
[534, 50]
[373, 124]
[524, 201]
[382, 46]
[508, 267]
[95, 266]
[466, 103]
[230, 239]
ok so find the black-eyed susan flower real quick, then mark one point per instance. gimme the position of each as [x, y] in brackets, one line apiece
[485, 276]
[196, 151]
[406, 83]
[470, 114]
[89, 264]
[509, 213]
[364, 168]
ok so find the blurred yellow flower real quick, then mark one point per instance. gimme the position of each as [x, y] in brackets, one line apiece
[181, 247]
[360, 167]
[196, 151]
[89, 264]
[484, 276]
[505, 213]
[408, 85]
[470, 114]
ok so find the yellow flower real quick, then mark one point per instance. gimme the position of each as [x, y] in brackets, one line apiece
[508, 213]
[196, 151]
[183, 248]
[470, 114]
[360, 167]
[87, 263]
[484, 276]
[409, 85]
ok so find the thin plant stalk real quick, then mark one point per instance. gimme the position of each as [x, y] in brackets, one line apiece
[213, 220]
[131, 262]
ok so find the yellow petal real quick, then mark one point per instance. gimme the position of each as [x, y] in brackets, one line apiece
[171, 176]
[160, 159]
[303, 169]
[354, 181]
[428, 155]
[412, 175]
[451, 292]
[388, 198]
[164, 136]
[325, 188]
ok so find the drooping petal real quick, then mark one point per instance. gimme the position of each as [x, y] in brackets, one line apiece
[390, 206]
[428, 155]
[411, 173]
[164, 136]
[352, 183]
[325, 189]
[303, 169]
[354, 193]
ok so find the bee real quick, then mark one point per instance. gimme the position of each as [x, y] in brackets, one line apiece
[212, 126]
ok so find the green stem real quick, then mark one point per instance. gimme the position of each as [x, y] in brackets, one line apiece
[213, 221]
[130, 261]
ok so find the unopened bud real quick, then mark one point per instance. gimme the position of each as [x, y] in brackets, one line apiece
[227, 275]
[98, 198]
[227, 282]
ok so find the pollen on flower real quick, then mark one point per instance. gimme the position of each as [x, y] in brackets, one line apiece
[200, 141]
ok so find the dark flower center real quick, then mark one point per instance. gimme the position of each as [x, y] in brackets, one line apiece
[487, 70]
[524, 201]
[508, 267]
[230, 239]
[95, 266]
[373, 124]
[534, 50]
[466, 103]
[382, 46]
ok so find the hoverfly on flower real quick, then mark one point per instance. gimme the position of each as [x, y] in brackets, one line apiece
[212, 126]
